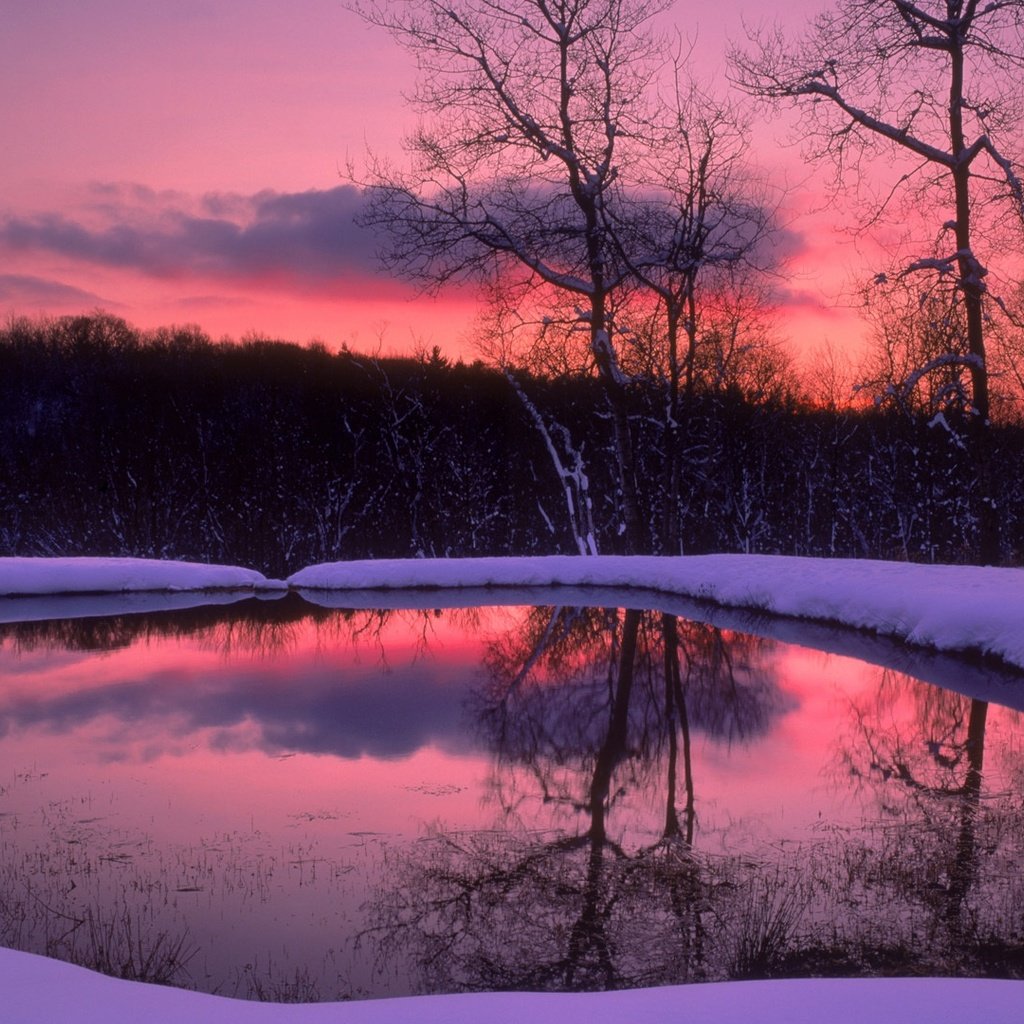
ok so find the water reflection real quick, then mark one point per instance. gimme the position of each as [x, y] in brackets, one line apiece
[585, 709]
[275, 800]
[579, 698]
[927, 773]
[381, 710]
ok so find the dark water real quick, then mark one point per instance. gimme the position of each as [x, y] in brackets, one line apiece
[277, 800]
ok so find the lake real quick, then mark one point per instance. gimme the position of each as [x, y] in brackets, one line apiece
[274, 799]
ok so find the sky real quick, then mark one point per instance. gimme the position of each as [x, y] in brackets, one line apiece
[185, 163]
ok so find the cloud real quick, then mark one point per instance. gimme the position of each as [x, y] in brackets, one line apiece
[303, 241]
[25, 289]
[347, 711]
[786, 244]
[304, 244]
[202, 302]
[788, 297]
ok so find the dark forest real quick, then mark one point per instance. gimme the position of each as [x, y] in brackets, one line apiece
[274, 456]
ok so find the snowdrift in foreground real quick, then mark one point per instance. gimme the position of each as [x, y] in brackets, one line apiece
[23, 576]
[947, 607]
[41, 991]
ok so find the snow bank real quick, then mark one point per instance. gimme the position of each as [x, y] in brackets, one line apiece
[25, 576]
[36, 607]
[948, 608]
[41, 991]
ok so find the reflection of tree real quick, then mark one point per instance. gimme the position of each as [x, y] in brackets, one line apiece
[923, 751]
[577, 696]
[595, 876]
[246, 627]
[250, 624]
[677, 720]
[587, 714]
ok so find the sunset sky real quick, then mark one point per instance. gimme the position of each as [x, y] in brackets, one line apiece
[183, 163]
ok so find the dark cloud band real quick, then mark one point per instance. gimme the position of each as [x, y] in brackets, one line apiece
[304, 240]
[30, 290]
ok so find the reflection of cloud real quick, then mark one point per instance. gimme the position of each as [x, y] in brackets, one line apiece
[739, 709]
[322, 709]
[305, 241]
[25, 289]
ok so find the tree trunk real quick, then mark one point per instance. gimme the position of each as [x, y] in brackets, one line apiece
[970, 273]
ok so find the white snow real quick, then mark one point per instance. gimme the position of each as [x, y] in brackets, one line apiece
[23, 576]
[34, 607]
[41, 991]
[947, 608]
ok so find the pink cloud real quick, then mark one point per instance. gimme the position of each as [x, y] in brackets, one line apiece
[39, 291]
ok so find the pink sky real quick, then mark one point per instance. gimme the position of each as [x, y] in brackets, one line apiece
[181, 163]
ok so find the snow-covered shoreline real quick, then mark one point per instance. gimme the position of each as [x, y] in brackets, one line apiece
[41, 991]
[21, 577]
[947, 608]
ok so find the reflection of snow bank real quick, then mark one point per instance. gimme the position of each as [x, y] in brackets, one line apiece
[950, 608]
[942, 606]
[24, 576]
[41, 991]
[36, 607]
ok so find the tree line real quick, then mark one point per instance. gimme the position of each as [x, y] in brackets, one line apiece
[165, 444]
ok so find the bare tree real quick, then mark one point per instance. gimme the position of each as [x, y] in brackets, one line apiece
[693, 228]
[699, 219]
[918, 358]
[534, 111]
[934, 86]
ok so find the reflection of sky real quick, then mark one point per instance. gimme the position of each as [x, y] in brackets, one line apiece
[191, 763]
[301, 700]
[378, 688]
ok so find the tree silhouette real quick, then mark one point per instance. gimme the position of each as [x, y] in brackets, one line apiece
[935, 85]
[536, 109]
[585, 710]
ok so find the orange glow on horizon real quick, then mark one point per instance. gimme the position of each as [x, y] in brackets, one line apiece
[98, 140]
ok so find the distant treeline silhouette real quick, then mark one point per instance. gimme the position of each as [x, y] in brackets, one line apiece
[165, 444]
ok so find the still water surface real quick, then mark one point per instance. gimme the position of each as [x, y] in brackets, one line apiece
[280, 801]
